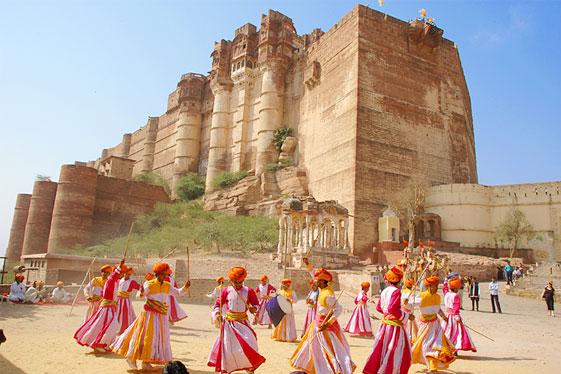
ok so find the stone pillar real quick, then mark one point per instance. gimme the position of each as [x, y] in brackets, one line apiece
[270, 114]
[149, 144]
[239, 132]
[126, 145]
[73, 209]
[188, 143]
[217, 153]
[282, 236]
[346, 244]
[39, 220]
[307, 234]
[17, 232]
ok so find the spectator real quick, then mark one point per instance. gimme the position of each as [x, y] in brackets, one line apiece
[59, 294]
[474, 293]
[494, 292]
[549, 294]
[508, 273]
[31, 295]
[17, 290]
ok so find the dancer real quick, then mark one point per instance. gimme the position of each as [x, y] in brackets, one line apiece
[125, 311]
[92, 291]
[148, 339]
[285, 331]
[264, 292]
[454, 327]
[175, 311]
[99, 331]
[236, 347]
[214, 295]
[392, 352]
[309, 266]
[408, 304]
[359, 323]
[311, 304]
[324, 348]
[432, 348]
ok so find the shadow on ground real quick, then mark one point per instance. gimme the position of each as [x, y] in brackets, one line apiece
[7, 367]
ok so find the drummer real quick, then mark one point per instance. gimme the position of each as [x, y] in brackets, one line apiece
[285, 331]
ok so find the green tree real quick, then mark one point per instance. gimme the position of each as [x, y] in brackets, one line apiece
[280, 135]
[190, 187]
[513, 229]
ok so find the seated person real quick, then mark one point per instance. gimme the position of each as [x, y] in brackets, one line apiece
[32, 295]
[17, 290]
[59, 294]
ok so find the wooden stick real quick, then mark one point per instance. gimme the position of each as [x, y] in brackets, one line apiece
[477, 332]
[82, 285]
[188, 271]
[128, 239]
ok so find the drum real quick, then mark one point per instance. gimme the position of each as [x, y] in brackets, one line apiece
[284, 304]
[274, 310]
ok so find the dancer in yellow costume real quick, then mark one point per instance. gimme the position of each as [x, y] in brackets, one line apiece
[324, 348]
[432, 348]
[285, 331]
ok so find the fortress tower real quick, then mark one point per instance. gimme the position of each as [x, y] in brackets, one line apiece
[371, 102]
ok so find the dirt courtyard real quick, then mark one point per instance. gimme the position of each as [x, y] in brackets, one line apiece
[40, 340]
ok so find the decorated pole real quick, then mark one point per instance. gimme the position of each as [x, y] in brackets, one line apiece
[128, 239]
[82, 285]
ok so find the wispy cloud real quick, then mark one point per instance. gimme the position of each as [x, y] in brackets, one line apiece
[520, 21]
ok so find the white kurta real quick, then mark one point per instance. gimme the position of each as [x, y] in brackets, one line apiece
[60, 295]
[17, 292]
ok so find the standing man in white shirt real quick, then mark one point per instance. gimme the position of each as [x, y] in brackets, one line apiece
[494, 292]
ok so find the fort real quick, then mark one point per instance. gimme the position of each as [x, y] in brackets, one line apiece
[369, 103]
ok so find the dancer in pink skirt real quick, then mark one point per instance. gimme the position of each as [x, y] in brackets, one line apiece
[359, 323]
[454, 328]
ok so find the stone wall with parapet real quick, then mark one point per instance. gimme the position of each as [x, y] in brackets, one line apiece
[83, 208]
[470, 214]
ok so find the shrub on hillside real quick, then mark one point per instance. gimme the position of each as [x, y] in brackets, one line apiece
[190, 187]
[154, 179]
[276, 166]
[229, 178]
[280, 135]
[172, 227]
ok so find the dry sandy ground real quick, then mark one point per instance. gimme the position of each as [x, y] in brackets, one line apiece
[40, 341]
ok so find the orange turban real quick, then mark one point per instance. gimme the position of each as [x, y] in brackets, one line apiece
[312, 282]
[323, 274]
[149, 276]
[220, 280]
[455, 283]
[105, 269]
[286, 281]
[161, 268]
[365, 285]
[431, 281]
[60, 283]
[409, 282]
[394, 275]
[19, 277]
[237, 274]
[264, 278]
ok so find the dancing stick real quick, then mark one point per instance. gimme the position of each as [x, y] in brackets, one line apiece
[188, 271]
[477, 332]
[128, 239]
[82, 285]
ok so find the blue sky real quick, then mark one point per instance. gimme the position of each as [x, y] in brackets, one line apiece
[76, 75]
